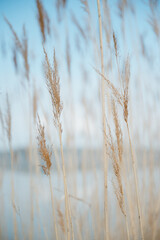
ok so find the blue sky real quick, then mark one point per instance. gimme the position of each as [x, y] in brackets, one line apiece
[24, 12]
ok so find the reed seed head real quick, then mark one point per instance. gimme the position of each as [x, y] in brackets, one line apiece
[43, 20]
[44, 151]
[20, 46]
[53, 85]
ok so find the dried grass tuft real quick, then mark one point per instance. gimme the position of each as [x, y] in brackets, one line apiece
[115, 44]
[121, 98]
[118, 131]
[43, 20]
[53, 84]
[43, 149]
[21, 46]
[115, 152]
[125, 94]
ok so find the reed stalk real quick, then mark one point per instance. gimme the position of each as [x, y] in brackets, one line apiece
[46, 157]
[136, 183]
[13, 192]
[53, 85]
[53, 207]
[8, 128]
[67, 203]
[106, 235]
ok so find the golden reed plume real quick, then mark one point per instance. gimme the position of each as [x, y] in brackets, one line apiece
[44, 151]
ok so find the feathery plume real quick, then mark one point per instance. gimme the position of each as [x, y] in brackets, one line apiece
[43, 20]
[114, 90]
[44, 151]
[21, 46]
[53, 84]
[115, 152]
[125, 94]
[115, 44]
[121, 98]
[118, 131]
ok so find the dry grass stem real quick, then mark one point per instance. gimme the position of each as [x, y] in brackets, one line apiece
[53, 84]
[46, 154]
[8, 128]
[106, 230]
[115, 153]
